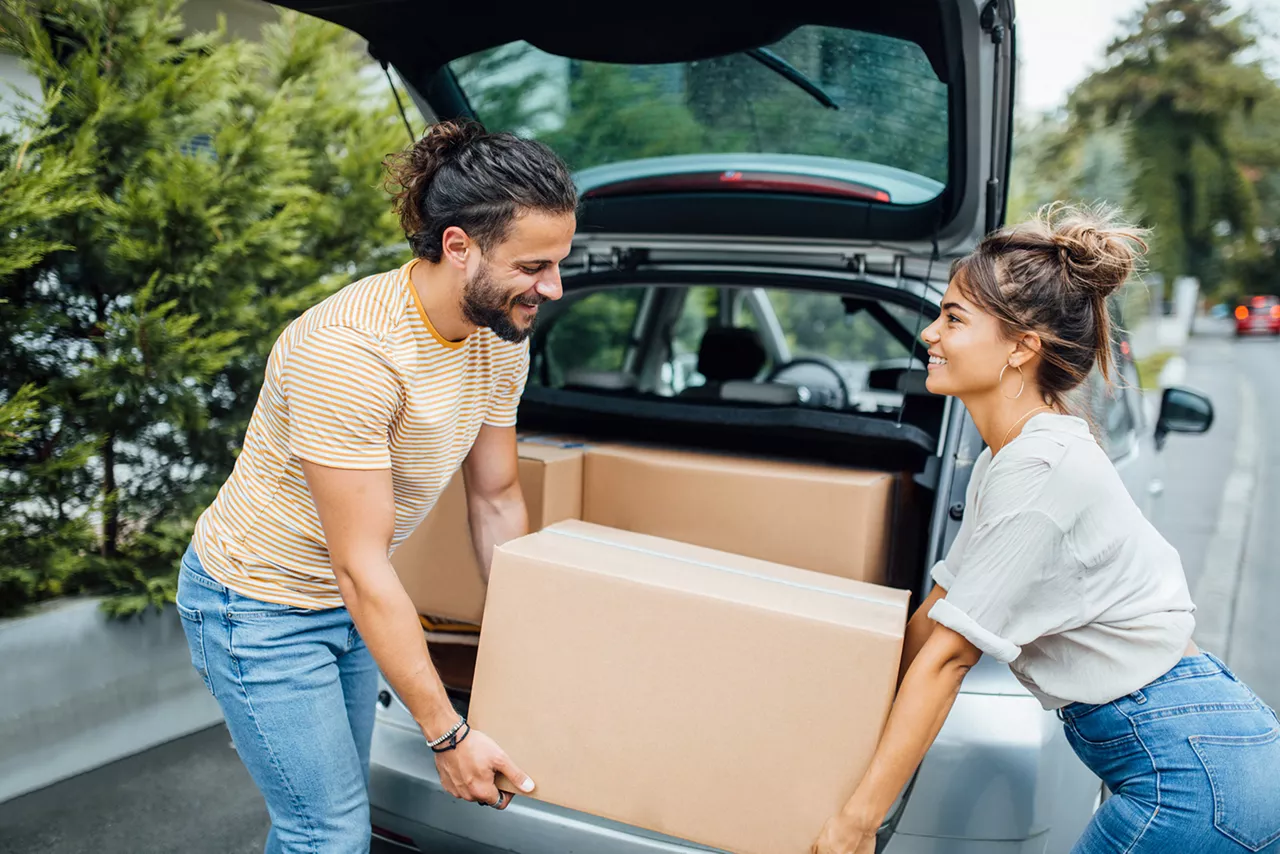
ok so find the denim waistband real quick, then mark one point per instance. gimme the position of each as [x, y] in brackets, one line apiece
[196, 572]
[1204, 664]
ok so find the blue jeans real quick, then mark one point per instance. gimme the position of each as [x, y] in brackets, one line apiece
[297, 689]
[1192, 761]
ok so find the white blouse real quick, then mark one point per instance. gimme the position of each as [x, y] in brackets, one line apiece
[1056, 572]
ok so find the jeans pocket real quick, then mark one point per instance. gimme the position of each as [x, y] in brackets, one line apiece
[193, 628]
[1246, 788]
[1102, 726]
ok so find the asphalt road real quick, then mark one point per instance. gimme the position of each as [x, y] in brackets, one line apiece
[193, 795]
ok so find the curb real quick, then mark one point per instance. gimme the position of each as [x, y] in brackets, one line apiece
[1218, 585]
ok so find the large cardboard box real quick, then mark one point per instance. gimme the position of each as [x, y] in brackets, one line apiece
[437, 564]
[709, 696]
[821, 518]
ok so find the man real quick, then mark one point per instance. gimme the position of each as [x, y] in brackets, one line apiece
[371, 401]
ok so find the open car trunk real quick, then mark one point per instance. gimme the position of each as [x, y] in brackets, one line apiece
[864, 124]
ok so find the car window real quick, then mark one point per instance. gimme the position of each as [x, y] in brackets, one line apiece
[590, 333]
[891, 106]
[820, 324]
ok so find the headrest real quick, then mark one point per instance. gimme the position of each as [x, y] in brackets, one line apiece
[728, 353]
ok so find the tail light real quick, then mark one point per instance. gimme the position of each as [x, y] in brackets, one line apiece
[1241, 312]
[1275, 311]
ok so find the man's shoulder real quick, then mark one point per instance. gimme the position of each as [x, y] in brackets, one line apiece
[374, 305]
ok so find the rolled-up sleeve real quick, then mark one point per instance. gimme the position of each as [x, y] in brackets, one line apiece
[343, 393]
[1018, 582]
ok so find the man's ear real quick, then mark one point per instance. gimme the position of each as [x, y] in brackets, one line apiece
[455, 246]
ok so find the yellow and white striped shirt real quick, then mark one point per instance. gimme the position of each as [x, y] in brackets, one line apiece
[359, 381]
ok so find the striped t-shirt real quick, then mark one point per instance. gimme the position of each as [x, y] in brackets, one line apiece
[359, 381]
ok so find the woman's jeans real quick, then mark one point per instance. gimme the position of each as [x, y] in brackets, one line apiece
[297, 689]
[1192, 762]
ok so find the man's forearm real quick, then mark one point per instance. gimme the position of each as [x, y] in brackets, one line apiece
[386, 619]
[496, 520]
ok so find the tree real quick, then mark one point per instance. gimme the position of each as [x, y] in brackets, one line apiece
[182, 199]
[1176, 83]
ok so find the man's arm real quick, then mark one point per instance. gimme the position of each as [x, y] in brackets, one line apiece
[357, 513]
[495, 503]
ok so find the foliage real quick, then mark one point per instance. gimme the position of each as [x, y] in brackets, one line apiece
[1175, 84]
[178, 199]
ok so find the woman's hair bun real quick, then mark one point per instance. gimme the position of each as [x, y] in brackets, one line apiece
[1099, 252]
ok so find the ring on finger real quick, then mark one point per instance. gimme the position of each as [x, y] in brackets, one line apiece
[502, 796]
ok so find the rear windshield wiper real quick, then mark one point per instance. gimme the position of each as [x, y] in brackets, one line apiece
[773, 62]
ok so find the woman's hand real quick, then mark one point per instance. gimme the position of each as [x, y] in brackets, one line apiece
[844, 835]
[469, 771]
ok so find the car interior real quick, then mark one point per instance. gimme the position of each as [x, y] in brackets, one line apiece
[738, 360]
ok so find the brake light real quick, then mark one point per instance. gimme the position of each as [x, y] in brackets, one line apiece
[1275, 311]
[1241, 312]
[1259, 301]
[736, 180]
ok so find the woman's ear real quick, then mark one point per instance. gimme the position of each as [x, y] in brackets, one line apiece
[1027, 348]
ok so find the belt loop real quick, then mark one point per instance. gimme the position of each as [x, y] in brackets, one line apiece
[1138, 697]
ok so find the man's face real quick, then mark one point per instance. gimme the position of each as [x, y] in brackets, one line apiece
[518, 275]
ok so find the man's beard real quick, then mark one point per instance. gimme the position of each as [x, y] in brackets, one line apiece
[485, 303]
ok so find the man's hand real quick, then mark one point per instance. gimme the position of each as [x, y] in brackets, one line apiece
[469, 771]
[843, 835]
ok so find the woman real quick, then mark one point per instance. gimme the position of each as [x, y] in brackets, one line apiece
[1056, 572]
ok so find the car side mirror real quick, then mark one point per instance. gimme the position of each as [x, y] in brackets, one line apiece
[1182, 411]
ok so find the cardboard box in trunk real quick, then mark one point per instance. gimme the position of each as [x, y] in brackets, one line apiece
[709, 696]
[820, 518]
[437, 564]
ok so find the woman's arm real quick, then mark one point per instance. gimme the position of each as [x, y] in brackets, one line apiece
[924, 700]
[919, 628]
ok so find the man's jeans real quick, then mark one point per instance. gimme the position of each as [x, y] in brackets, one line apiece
[297, 689]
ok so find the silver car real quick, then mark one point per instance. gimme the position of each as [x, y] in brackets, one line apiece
[771, 199]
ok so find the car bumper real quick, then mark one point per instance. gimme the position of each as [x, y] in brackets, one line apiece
[999, 780]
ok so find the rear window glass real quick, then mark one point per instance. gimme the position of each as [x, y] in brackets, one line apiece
[652, 341]
[892, 108]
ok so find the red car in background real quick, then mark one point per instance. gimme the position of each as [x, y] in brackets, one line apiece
[1259, 315]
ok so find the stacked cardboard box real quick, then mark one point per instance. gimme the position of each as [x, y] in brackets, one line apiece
[826, 519]
[437, 564]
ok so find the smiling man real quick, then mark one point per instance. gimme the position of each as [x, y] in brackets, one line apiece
[372, 399]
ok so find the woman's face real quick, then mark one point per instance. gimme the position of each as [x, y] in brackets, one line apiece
[967, 349]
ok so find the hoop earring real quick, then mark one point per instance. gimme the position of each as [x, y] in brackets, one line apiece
[1022, 380]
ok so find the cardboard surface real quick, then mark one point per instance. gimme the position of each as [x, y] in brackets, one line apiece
[709, 696]
[437, 564]
[832, 520]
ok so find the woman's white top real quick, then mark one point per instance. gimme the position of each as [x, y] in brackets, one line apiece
[1056, 572]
